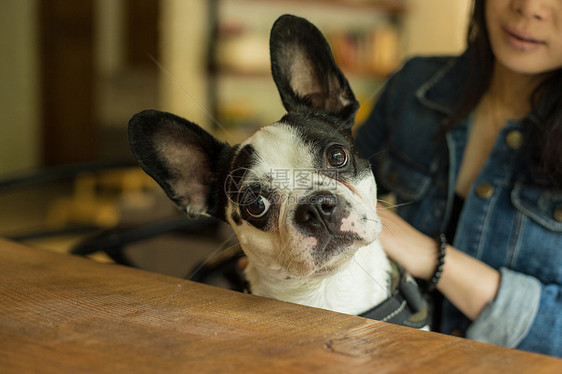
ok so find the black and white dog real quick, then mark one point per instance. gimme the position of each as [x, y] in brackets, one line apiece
[300, 199]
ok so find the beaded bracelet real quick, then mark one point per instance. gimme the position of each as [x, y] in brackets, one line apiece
[442, 249]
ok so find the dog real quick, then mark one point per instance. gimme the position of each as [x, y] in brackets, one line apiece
[301, 200]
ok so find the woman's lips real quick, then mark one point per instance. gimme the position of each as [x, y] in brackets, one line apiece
[521, 40]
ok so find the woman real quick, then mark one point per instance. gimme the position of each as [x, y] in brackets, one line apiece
[471, 146]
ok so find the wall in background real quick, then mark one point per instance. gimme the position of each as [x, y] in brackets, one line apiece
[436, 26]
[184, 29]
[19, 95]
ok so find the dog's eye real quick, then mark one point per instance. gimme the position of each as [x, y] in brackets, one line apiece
[258, 207]
[336, 156]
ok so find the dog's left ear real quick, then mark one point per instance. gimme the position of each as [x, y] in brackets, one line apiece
[306, 74]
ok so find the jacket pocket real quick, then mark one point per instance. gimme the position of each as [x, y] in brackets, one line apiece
[402, 177]
[543, 205]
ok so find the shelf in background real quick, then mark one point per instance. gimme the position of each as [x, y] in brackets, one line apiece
[388, 6]
[365, 37]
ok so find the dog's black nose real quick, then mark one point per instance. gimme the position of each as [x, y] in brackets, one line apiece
[319, 210]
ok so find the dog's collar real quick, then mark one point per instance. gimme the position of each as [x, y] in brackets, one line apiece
[406, 306]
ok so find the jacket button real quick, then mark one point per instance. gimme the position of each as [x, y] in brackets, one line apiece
[514, 139]
[484, 190]
[557, 214]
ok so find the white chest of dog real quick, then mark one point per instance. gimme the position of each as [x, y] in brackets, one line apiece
[300, 199]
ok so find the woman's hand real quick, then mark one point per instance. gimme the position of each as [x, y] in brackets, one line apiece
[413, 250]
[468, 283]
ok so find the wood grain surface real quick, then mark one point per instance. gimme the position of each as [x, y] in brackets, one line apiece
[65, 314]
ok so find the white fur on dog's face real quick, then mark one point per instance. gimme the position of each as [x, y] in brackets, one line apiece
[278, 157]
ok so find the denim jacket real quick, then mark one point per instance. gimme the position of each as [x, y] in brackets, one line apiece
[509, 220]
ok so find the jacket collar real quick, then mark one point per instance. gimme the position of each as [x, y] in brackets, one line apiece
[442, 91]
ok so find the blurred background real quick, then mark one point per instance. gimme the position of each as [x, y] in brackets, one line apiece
[72, 73]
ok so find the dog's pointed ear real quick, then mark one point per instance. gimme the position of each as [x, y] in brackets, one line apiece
[183, 158]
[306, 74]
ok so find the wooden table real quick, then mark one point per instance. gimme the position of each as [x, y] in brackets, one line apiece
[65, 314]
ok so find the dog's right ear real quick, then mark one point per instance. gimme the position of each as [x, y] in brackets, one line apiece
[306, 73]
[183, 158]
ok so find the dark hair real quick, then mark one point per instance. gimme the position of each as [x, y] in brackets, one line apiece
[545, 145]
